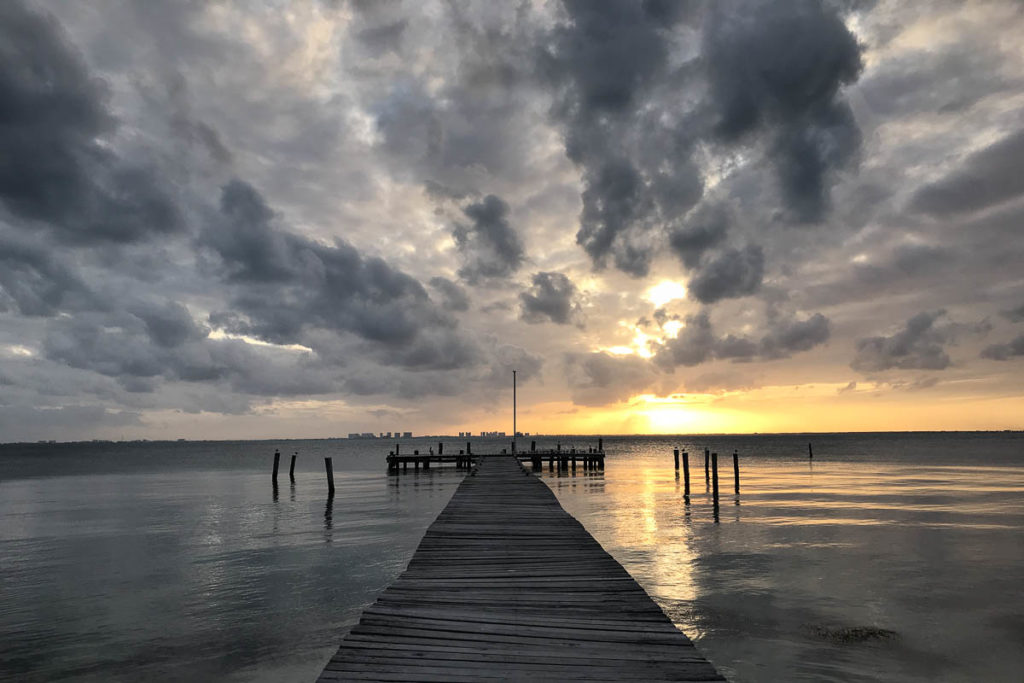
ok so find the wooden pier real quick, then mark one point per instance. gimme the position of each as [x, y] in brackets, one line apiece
[505, 586]
[588, 459]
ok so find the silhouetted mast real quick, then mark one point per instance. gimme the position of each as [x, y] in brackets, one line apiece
[514, 432]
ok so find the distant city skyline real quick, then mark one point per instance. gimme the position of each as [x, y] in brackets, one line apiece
[242, 220]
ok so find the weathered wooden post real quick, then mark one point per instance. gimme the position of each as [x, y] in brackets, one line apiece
[329, 465]
[736, 470]
[714, 482]
[810, 452]
[533, 446]
[686, 476]
[396, 448]
[277, 461]
[707, 455]
[440, 448]
[600, 444]
[675, 456]
[469, 449]
[291, 470]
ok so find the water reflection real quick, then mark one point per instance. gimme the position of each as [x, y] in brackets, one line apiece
[329, 518]
[922, 549]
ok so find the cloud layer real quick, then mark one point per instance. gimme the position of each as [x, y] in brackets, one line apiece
[352, 210]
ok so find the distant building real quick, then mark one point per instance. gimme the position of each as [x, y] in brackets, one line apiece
[406, 435]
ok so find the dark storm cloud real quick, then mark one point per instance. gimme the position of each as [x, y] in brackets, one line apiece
[1015, 315]
[596, 379]
[985, 178]
[776, 69]
[453, 297]
[788, 336]
[286, 285]
[489, 245]
[552, 297]
[729, 274]
[704, 231]
[169, 324]
[140, 351]
[698, 343]
[36, 282]
[918, 346]
[1005, 351]
[634, 157]
[52, 169]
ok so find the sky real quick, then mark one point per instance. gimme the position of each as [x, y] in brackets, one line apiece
[235, 219]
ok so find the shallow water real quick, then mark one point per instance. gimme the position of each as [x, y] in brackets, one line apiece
[883, 559]
[175, 561]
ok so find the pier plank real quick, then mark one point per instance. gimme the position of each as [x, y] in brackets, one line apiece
[506, 585]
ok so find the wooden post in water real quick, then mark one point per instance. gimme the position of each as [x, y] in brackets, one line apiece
[714, 482]
[707, 454]
[469, 449]
[736, 470]
[600, 444]
[329, 465]
[277, 461]
[291, 470]
[810, 452]
[675, 455]
[440, 448]
[686, 477]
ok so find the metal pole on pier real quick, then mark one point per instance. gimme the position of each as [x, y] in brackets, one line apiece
[714, 482]
[514, 432]
[329, 466]
[686, 477]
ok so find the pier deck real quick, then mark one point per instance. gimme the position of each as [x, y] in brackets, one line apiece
[506, 585]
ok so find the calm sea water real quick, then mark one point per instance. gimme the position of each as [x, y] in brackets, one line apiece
[891, 557]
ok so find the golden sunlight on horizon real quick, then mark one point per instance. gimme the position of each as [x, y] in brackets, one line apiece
[770, 410]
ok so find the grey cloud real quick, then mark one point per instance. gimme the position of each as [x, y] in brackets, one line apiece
[777, 68]
[286, 286]
[987, 177]
[52, 169]
[602, 64]
[169, 324]
[1006, 351]
[596, 379]
[123, 346]
[918, 346]
[738, 348]
[729, 274]
[453, 297]
[788, 336]
[698, 343]
[383, 38]
[1015, 315]
[36, 282]
[906, 85]
[704, 231]
[489, 245]
[29, 423]
[849, 388]
[552, 297]
[694, 345]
